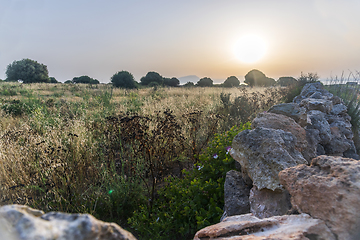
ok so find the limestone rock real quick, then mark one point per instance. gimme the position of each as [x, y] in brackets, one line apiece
[267, 203]
[319, 122]
[292, 110]
[321, 105]
[29, 224]
[249, 227]
[263, 153]
[236, 194]
[339, 109]
[329, 189]
[314, 90]
[278, 121]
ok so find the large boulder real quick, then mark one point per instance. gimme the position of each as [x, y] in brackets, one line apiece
[278, 121]
[236, 194]
[329, 189]
[249, 227]
[23, 222]
[263, 153]
[267, 203]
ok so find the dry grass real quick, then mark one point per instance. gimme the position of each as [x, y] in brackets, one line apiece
[60, 151]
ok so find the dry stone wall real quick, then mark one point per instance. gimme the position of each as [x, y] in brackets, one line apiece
[299, 158]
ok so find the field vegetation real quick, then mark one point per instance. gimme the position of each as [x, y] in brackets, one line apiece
[151, 159]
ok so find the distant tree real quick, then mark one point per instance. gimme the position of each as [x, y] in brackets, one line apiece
[152, 77]
[189, 84]
[171, 82]
[123, 79]
[85, 79]
[27, 70]
[231, 82]
[68, 81]
[308, 78]
[286, 81]
[257, 78]
[52, 80]
[205, 82]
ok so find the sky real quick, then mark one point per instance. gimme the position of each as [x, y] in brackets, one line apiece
[180, 38]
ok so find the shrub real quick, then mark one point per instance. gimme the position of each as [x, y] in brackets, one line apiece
[188, 204]
[205, 82]
[231, 82]
[245, 107]
[123, 79]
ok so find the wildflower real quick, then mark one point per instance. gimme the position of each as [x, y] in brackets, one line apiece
[215, 156]
[200, 167]
[228, 148]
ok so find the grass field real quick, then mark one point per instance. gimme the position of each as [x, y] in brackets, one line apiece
[104, 151]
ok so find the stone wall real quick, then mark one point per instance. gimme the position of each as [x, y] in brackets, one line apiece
[299, 158]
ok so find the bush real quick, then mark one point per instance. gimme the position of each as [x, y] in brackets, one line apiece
[205, 82]
[231, 82]
[152, 77]
[123, 79]
[188, 204]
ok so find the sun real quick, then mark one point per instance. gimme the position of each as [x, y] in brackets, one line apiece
[250, 49]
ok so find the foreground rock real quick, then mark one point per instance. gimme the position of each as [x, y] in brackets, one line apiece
[236, 194]
[329, 189]
[249, 227]
[263, 153]
[267, 203]
[22, 222]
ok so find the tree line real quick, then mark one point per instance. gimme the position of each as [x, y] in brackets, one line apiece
[30, 71]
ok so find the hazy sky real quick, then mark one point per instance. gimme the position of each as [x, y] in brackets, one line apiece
[179, 38]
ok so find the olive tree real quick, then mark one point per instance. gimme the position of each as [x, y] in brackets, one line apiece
[123, 79]
[27, 70]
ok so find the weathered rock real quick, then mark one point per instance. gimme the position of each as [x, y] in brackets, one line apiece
[26, 223]
[313, 139]
[263, 153]
[338, 109]
[329, 189]
[267, 203]
[278, 121]
[319, 122]
[292, 110]
[313, 90]
[321, 105]
[236, 194]
[249, 227]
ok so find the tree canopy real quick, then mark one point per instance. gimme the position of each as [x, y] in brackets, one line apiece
[85, 79]
[257, 78]
[27, 70]
[152, 77]
[231, 81]
[123, 79]
[205, 82]
[286, 81]
[53, 80]
[171, 82]
[189, 84]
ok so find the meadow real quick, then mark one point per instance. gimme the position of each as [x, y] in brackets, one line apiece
[123, 155]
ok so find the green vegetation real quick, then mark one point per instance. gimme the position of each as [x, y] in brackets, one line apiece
[259, 79]
[231, 82]
[205, 82]
[85, 79]
[193, 202]
[27, 70]
[123, 79]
